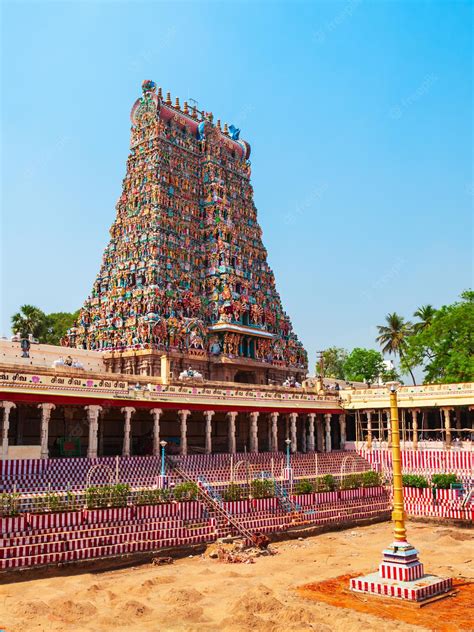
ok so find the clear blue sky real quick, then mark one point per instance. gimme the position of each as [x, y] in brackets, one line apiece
[359, 117]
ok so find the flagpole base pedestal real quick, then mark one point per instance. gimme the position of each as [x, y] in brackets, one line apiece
[401, 575]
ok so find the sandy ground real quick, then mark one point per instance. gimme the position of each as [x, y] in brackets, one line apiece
[205, 595]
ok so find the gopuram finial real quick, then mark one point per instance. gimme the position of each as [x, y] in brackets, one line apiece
[148, 86]
[226, 129]
[176, 105]
[185, 108]
[168, 98]
[160, 93]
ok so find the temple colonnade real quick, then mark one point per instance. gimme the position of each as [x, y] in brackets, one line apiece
[255, 431]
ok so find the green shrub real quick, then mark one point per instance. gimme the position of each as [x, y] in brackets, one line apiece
[326, 483]
[232, 492]
[119, 494]
[415, 480]
[371, 479]
[444, 481]
[54, 502]
[71, 501]
[149, 496]
[303, 487]
[98, 497]
[185, 491]
[351, 481]
[262, 488]
[9, 504]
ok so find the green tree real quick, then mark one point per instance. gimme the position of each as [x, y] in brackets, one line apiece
[333, 363]
[29, 320]
[425, 315]
[445, 349]
[46, 328]
[363, 365]
[393, 338]
[57, 325]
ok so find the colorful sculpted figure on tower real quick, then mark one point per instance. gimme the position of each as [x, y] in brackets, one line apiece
[185, 270]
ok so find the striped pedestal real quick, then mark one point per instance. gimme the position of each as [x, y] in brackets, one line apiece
[401, 575]
[424, 588]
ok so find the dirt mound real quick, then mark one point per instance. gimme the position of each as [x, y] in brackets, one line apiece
[135, 609]
[30, 609]
[155, 581]
[69, 610]
[182, 597]
[259, 600]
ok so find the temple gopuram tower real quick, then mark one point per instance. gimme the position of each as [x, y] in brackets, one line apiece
[185, 273]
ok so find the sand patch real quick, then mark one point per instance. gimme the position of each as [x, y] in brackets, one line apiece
[30, 609]
[257, 601]
[135, 609]
[69, 610]
[182, 597]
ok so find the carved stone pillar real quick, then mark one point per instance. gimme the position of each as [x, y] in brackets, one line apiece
[183, 417]
[231, 417]
[458, 422]
[311, 418]
[319, 434]
[327, 427]
[447, 426]
[369, 429]
[208, 414]
[128, 411]
[6, 406]
[253, 433]
[414, 423]
[269, 433]
[303, 435]
[274, 420]
[93, 419]
[342, 428]
[294, 444]
[46, 410]
[156, 414]
[68, 419]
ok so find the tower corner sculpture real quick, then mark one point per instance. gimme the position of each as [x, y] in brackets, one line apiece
[185, 273]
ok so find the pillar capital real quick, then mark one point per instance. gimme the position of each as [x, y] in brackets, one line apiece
[312, 416]
[209, 414]
[93, 411]
[232, 415]
[7, 406]
[128, 410]
[184, 414]
[46, 408]
[254, 415]
[156, 412]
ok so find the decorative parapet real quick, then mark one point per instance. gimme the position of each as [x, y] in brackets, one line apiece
[147, 389]
[427, 395]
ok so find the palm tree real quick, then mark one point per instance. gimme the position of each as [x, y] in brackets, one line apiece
[393, 336]
[425, 314]
[29, 320]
